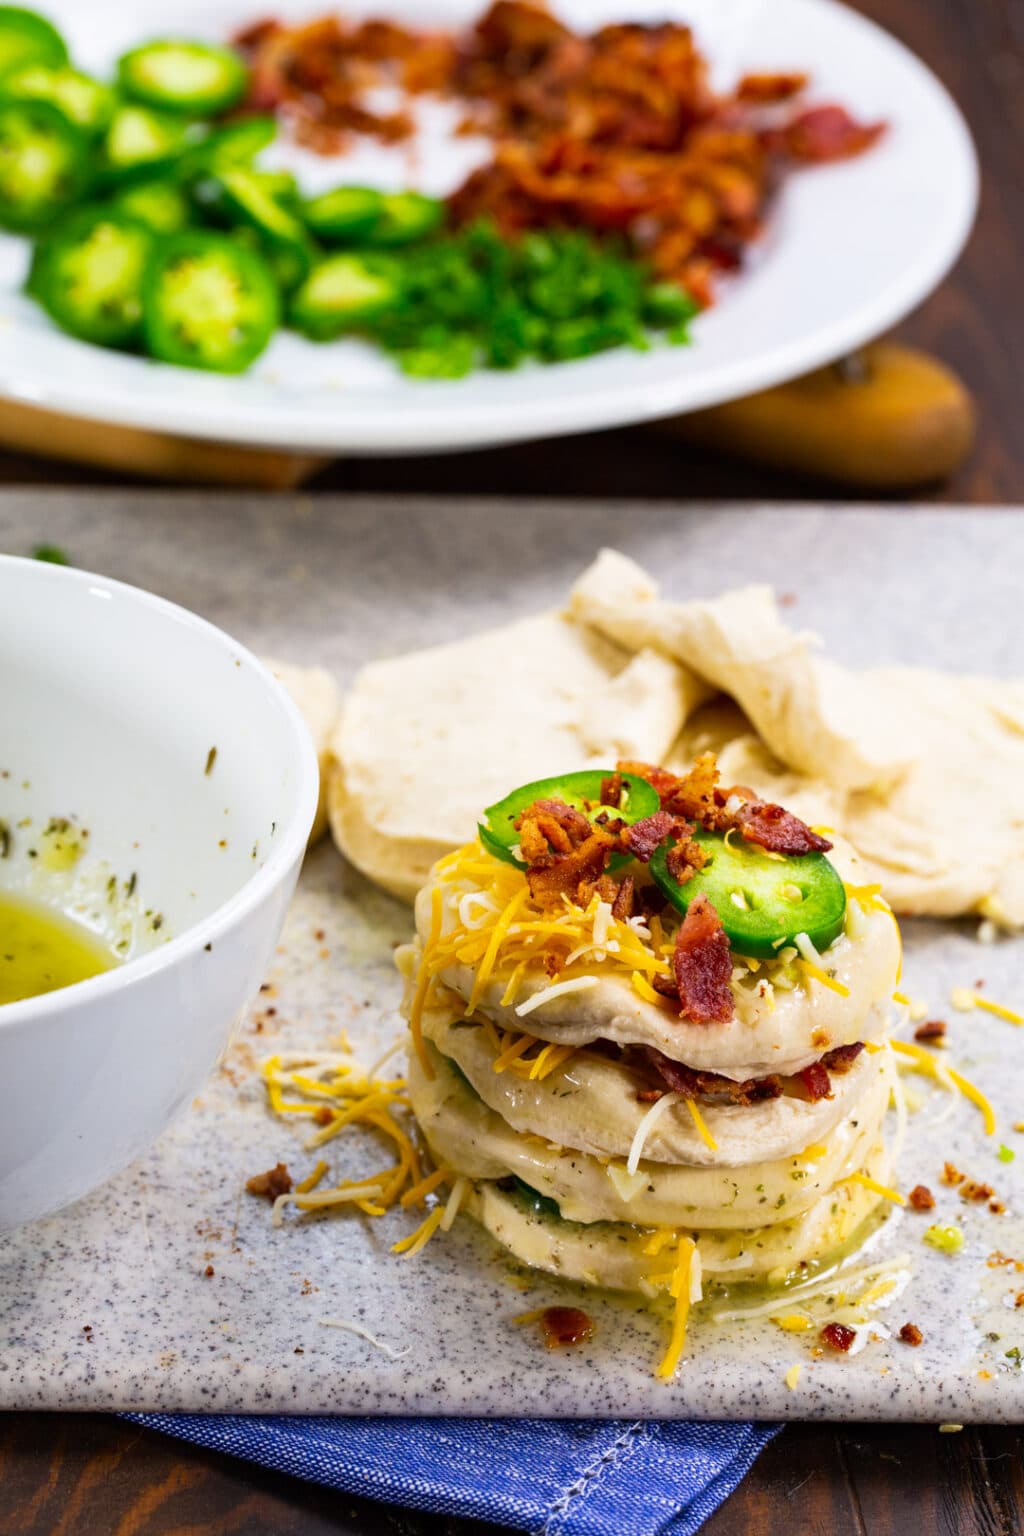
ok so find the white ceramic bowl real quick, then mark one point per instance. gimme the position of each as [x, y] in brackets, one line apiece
[111, 702]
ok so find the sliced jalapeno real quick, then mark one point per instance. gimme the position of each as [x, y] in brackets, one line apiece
[162, 206]
[580, 790]
[28, 38]
[344, 213]
[43, 164]
[208, 302]
[246, 196]
[405, 217]
[179, 75]
[88, 276]
[763, 902]
[340, 292]
[232, 144]
[140, 140]
[86, 102]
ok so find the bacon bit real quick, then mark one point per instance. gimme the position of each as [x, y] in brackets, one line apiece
[921, 1198]
[644, 838]
[999, 1260]
[842, 1057]
[604, 887]
[709, 1085]
[931, 1029]
[702, 963]
[658, 778]
[951, 1174]
[324, 1115]
[208, 1271]
[622, 906]
[970, 1190]
[996, 1207]
[767, 89]
[565, 1326]
[276, 1181]
[822, 134]
[837, 1336]
[910, 1333]
[553, 964]
[611, 790]
[650, 1095]
[1018, 1300]
[549, 828]
[770, 826]
[684, 859]
[564, 876]
[817, 1082]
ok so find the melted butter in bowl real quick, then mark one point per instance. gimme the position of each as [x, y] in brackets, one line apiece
[42, 950]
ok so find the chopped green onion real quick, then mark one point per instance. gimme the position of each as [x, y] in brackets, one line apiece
[946, 1239]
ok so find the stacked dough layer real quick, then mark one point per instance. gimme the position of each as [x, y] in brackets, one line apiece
[576, 1166]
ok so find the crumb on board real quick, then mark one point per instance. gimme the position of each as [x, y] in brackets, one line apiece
[276, 1181]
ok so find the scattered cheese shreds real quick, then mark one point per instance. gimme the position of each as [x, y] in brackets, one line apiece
[423, 981]
[792, 1376]
[793, 1322]
[421, 1237]
[345, 1326]
[823, 978]
[680, 1291]
[876, 1188]
[926, 1063]
[647, 1124]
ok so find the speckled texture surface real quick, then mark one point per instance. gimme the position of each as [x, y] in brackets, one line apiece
[111, 1304]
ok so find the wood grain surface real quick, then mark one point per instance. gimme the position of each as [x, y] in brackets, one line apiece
[62, 1475]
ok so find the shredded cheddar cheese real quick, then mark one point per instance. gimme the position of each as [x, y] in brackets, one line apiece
[924, 1062]
[876, 1188]
[702, 1130]
[823, 978]
[793, 1322]
[679, 1290]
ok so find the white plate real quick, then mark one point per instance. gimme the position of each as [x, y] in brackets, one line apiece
[849, 250]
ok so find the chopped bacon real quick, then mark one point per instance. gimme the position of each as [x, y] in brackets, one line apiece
[768, 89]
[709, 1085]
[816, 1080]
[644, 838]
[837, 1336]
[821, 134]
[563, 876]
[276, 1181]
[778, 830]
[842, 1057]
[921, 1198]
[658, 778]
[910, 1333]
[549, 828]
[702, 963]
[931, 1030]
[604, 888]
[622, 906]
[611, 790]
[685, 856]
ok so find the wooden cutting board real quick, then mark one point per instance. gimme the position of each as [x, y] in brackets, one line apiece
[886, 418]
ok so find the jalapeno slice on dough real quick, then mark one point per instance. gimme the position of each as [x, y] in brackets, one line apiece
[763, 902]
[580, 790]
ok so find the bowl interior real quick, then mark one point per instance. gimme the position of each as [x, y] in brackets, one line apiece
[179, 764]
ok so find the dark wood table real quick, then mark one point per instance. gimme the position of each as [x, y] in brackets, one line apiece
[64, 1474]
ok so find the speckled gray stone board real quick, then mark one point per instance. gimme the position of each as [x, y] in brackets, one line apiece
[339, 582]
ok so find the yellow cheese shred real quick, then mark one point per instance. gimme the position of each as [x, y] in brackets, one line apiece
[679, 1290]
[823, 978]
[702, 1130]
[876, 1188]
[998, 1009]
[924, 1062]
[421, 1237]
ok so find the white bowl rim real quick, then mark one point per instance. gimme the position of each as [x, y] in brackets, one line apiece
[289, 846]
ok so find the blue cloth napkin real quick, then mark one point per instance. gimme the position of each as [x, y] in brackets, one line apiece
[548, 1477]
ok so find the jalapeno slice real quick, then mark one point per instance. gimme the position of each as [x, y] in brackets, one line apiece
[342, 291]
[86, 102]
[580, 790]
[405, 217]
[161, 205]
[344, 213]
[88, 276]
[28, 38]
[208, 302]
[763, 902]
[180, 75]
[43, 164]
[233, 144]
[140, 140]
[245, 196]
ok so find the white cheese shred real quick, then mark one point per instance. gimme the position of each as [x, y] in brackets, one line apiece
[646, 1126]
